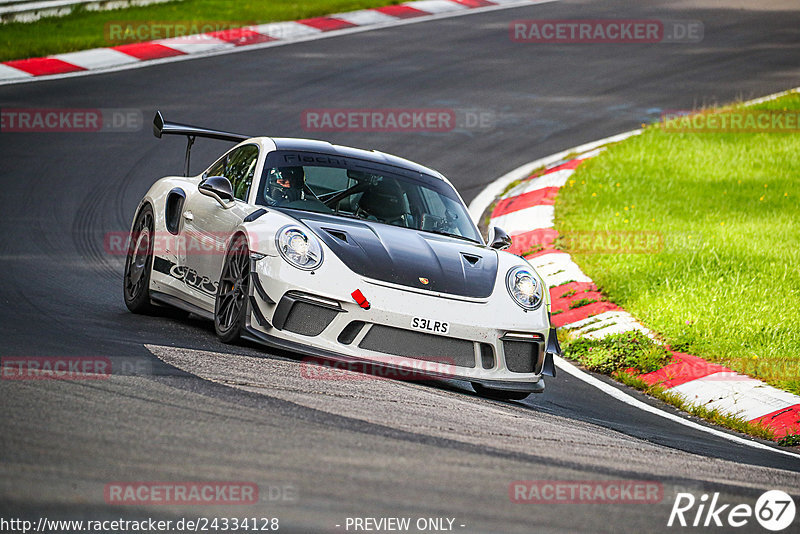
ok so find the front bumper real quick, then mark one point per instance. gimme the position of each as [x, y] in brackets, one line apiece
[491, 341]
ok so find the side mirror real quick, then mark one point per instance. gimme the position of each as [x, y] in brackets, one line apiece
[219, 188]
[499, 239]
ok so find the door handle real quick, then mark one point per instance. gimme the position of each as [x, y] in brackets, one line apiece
[188, 215]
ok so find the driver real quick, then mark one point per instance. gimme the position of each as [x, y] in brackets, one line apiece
[286, 184]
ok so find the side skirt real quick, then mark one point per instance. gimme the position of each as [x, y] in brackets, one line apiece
[169, 300]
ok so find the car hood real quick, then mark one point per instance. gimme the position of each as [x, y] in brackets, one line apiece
[405, 256]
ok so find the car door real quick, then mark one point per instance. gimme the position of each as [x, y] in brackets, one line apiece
[208, 225]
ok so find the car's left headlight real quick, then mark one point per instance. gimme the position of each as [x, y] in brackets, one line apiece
[524, 287]
[299, 247]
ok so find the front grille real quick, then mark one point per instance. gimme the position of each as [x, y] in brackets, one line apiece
[420, 346]
[522, 356]
[307, 319]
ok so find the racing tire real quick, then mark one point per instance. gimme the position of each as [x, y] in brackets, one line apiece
[231, 303]
[139, 263]
[499, 394]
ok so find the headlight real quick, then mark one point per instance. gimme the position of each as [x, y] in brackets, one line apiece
[524, 287]
[299, 248]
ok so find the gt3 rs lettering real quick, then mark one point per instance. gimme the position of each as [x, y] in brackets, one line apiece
[189, 276]
[427, 325]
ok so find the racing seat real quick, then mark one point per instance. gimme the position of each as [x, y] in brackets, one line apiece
[386, 203]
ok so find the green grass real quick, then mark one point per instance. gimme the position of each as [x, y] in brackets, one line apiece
[580, 302]
[726, 285]
[630, 350]
[790, 440]
[87, 29]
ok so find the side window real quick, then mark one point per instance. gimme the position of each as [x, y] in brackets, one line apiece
[240, 167]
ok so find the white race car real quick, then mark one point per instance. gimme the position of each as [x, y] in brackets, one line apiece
[342, 254]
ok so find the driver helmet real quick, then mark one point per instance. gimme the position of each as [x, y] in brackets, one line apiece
[286, 184]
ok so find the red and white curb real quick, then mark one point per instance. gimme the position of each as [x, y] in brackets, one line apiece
[526, 213]
[133, 55]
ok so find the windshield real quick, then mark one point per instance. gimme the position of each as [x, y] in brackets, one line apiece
[360, 189]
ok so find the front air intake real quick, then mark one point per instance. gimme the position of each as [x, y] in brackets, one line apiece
[523, 355]
[419, 346]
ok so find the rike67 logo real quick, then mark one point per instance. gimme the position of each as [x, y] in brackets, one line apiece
[774, 510]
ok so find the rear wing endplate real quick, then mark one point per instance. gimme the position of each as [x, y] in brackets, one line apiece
[162, 127]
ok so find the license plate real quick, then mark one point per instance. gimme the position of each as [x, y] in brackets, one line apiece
[429, 325]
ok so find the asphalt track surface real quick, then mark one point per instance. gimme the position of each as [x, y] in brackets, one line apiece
[188, 408]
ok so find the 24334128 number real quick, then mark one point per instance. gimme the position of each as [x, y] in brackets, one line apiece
[234, 524]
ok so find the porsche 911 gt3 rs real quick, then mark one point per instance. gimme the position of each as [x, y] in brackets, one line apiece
[340, 253]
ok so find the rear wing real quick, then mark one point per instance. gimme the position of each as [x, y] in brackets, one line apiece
[162, 127]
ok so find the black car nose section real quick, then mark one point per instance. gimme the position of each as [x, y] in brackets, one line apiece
[405, 256]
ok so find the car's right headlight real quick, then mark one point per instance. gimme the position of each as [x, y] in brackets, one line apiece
[299, 247]
[524, 287]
